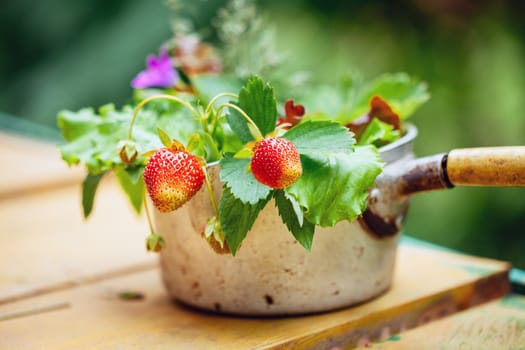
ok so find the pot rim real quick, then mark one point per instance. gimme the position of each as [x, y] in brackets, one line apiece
[409, 136]
[400, 147]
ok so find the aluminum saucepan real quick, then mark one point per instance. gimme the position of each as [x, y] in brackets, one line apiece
[349, 263]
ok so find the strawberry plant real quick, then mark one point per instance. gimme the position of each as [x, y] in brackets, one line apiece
[313, 154]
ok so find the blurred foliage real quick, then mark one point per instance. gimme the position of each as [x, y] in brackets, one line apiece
[472, 54]
[62, 54]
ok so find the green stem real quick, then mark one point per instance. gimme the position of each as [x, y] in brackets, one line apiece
[210, 106]
[148, 216]
[258, 135]
[213, 100]
[210, 193]
[159, 97]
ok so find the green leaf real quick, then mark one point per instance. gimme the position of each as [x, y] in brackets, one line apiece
[164, 137]
[324, 102]
[226, 140]
[335, 180]
[244, 153]
[93, 139]
[292, 216]
[257, 99]
[88, 140]
[89, 188]
[212, 152]
[378, 133]
[208, 86]
[75, 124]
[130, 295]
[346, 101]
[241, 182]
[403, 93]
[237, 218]
[312, 137]
[335, 187]
[130, 180]
[203, 145]
[196, 145]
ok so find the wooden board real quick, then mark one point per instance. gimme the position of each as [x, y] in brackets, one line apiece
[60, 277]
[45, 242]
[30, 165]
[428, 284]
[497, 325]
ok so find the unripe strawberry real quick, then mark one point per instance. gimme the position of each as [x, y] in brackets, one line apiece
[276, 162]
[172, 177]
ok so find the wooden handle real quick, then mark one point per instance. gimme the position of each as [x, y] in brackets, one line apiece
[496, 166]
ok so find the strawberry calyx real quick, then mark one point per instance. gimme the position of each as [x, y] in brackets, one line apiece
[176, 146]
[127, 151]
[214, 235]
[155, 242]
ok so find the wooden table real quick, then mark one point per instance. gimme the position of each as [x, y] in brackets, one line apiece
[70, 284]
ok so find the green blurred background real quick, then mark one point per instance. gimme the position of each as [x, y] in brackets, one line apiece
[62, 54]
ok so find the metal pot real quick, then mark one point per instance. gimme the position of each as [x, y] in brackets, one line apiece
[272, 274]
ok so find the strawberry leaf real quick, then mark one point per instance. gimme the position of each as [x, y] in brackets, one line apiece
[75, 124]
[237, 218]
[403, 93]
[334, 186]
[378, 133]
[350, 99]
[292, 216]
[210, 146]
[93, 137]
[241, 182]
[89, 188]
[320, 137]
[131, 182]
[196, 145]
[257, 99]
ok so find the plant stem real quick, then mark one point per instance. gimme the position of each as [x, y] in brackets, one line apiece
[213, 100]
[159, 97]
[258, 135]
[150, 224]
[209, 107]
[210, 193]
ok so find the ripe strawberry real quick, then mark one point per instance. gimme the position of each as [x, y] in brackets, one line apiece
[172, 177]
[276, 162]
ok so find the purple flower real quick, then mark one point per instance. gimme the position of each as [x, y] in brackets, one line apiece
[159, 72]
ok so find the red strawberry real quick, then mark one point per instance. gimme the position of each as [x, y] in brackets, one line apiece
[276, 162]
[172, 177]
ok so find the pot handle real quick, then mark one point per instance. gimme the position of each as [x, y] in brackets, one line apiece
[490, 166]
[388, 202]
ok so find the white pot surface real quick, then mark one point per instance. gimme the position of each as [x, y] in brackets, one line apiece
[271, 274]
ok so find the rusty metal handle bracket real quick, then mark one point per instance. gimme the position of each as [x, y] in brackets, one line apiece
[388, 202]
